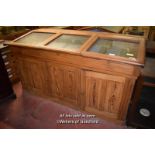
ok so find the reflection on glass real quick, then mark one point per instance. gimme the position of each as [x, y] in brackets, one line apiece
[115, 47]
[68, 42]
[34, 38]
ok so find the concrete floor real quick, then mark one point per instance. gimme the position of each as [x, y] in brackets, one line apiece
[32, 112]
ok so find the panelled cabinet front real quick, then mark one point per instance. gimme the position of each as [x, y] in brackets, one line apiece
[32, 74]
[104, 94]
[64, 83]
[95, 72]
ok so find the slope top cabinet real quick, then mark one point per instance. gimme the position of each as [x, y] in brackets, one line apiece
[92, 71]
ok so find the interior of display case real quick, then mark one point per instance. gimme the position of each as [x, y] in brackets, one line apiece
[34, 38]
[68, 42]
[115, 48]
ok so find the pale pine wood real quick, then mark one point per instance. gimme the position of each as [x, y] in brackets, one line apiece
[104, 92]
[65, 64]
[64, 82]
[92, 35]
[79, 61]
[32, 74]
[101, 85]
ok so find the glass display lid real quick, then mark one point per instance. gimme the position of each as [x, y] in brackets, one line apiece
[68, 42]
[34, 38]
[100, 45]
[115, 47]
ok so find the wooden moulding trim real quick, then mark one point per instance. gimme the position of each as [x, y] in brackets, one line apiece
[30, 33]
[141, 52]
[48, 54]
[110, 57]
[140, 57]
[48, 30]
[99, 34]
[59, 34]
[48, 49]
[93, 37]
[22, 36]
[105, 76]
[63, 57]
[120, 37]
[118, 68]
[84, 53]
[88, 43]
[74, 32]
[54, 36]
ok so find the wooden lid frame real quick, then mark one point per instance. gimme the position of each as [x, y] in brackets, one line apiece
[83, 50]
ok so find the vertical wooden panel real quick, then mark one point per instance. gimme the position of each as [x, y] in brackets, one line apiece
[32, 74]
[70, 85]
[114, 95]
[56, 81]
[64, 82]
[104, 93]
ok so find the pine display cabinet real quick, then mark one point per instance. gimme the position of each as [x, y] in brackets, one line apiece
[90, 71]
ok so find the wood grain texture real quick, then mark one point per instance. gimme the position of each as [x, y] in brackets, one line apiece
[88, 84]
[79, 61]
[64, 82]
[104, 92]
[101, 86]
[32, 74]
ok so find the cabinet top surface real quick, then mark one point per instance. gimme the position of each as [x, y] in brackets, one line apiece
[34, 38]
[99, 45]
